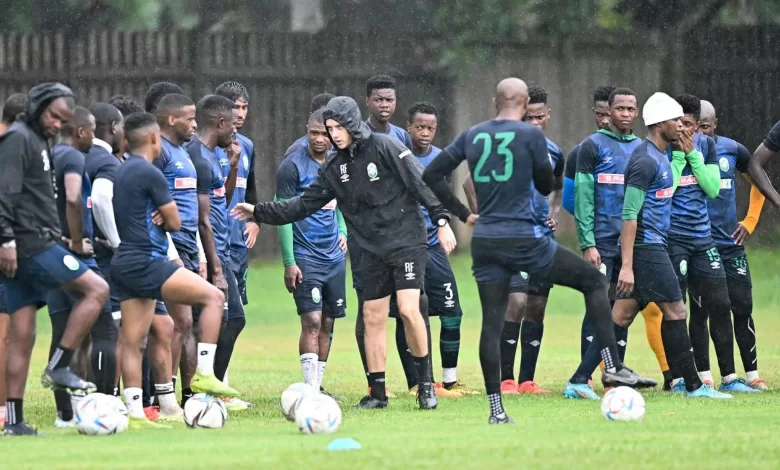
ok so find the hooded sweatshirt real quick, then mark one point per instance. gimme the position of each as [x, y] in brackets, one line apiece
[28, 212]
[377, 183]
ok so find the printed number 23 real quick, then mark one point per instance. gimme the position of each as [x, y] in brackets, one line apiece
[504, 138]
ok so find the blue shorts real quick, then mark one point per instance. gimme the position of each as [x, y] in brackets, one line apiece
[240, 267]
[736, 265]
[523, 284]
[323, 288]
[116, 311]
[654, 279]
[190, 260]
[60, 301]
[440, 285]
[234, 306]
[138, 277]
[39, 274]
[496, 260]
[3, 309]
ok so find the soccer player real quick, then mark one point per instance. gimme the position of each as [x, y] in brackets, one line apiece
[441, 289]
[381, 101]
[216, 115]
[696, 259]
[319, 101]
[73, 196]
[601, 118]
[315, 268]
[646, 269]
[127, 106]
[145, 210]
[31, 261]
[528, 297]
[380, 191]
[508, 160]
[756, 169]
[14, 105]
[730, 237]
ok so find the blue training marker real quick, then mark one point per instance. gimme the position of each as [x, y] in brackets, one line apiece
[344, 444]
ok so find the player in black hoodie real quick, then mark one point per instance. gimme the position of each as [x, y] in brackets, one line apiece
[377, 184]
[31, 261]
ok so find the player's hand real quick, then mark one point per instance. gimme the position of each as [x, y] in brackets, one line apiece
[8, 261]
[292, 278]
[472, 220]
[234, 153]
[592, 256]
[83, 248]
[242, 211]
[343, 243]
[552, 223]
[220, 282]
[625, 284]
[251, 233]
[684, 142]
[447, 239]
[203, 270]
[157, 218]
[740, 235]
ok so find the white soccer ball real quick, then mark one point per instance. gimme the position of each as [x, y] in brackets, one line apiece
[204, 411]
[318, 414]
[98, 414]
[292, 396]
[623, 404]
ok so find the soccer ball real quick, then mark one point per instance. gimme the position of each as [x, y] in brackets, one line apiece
[204, 411]
[292, 396]
[623, 404]
[98, 414]
[318, 414]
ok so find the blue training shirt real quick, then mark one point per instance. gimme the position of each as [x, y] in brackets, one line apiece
[209, 170]
[140, 189]
[246, 165]
[315, 238]
[433, 230]
[401, 134]
[733, 157]
[650, 170]
[502, 156]
[179, 172]
[542, 203]
[690, 217]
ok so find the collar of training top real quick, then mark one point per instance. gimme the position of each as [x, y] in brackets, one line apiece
[625, 138]
[102, 143]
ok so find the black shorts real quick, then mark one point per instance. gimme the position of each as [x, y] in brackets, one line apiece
[440, 285]
[355, 259]
[523, 284]
[736, 264]
[381, 276]
[39, 274]
[190, 260]
[138, 277]
[234, 308]
[116, 311]
[497, 260]
[240, 266]
[324, 288]
[654, 279]
[700, 258]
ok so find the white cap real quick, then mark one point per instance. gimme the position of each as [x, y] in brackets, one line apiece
[659, 108]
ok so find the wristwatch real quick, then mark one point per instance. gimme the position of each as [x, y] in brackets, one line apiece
[441, 222]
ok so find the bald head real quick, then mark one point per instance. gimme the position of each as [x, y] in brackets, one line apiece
[708, 120]
[511, 93]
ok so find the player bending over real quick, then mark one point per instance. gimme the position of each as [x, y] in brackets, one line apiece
[508, 161]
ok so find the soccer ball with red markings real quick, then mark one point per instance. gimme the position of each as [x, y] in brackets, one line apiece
[318, 414]
[623, 404]
[98, 415]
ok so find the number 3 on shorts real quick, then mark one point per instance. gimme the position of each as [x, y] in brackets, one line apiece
[505, 139]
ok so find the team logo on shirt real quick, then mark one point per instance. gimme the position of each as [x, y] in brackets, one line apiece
[372, 172]
[315, 295]
[725, 183]
[70, 262]
[687, 180]
[179, 165]
[245, 160]
[683, 267]
[344, 174]
[224, 162]
[723, 163]
[607, 178]
[664, 193]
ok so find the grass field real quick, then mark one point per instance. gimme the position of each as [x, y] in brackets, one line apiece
[551, 432]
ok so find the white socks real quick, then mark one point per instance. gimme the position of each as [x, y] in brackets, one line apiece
[728, 379]
[705, 376]
[321, 371]
[135, 406]
[225, 379]
[206, 353]
[309, 367]
[166, 396]
[449, 375]
[751, 376]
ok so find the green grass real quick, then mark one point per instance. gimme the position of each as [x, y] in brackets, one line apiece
[551, 431]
